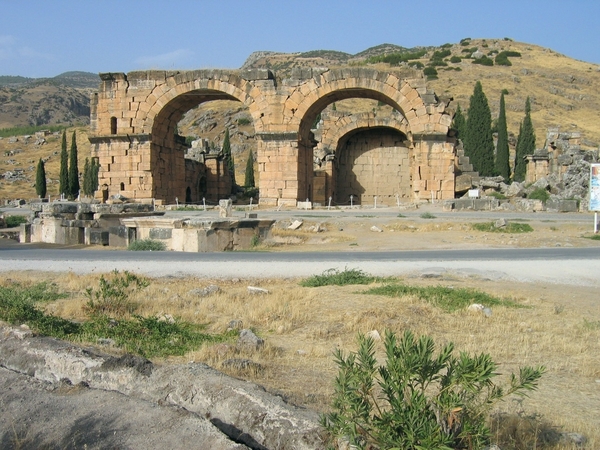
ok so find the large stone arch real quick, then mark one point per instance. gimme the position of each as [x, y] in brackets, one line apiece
[133, 115]
[341, 166]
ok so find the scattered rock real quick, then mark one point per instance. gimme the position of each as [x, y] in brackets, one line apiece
[476, 307]
[500, 223]
[242, 365]
[168, 318]
[295, 225]
[105, 342]
[249, 339]
[257, 290]
[376, 229]
[374, 334]
[206, 291]
[573, 438]
[234, 325]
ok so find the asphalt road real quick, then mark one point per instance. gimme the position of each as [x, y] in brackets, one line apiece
[579, 266]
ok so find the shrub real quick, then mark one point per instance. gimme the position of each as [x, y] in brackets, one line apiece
[418, 399]
[539, 194]
[242, 121]
[150, 245]
[14, 221]
[455, 59]
[484, 61]
[427, 215]
[504, 91]
[502, 60]
[416, 64]
[466, 41]
[112, 295]
[430, 72]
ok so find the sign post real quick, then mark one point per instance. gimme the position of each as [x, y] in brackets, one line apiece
[595, 193]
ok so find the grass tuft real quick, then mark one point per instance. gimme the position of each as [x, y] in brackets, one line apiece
[427, 215]
[446, 298]
[339, 278]
[509, 228]
[147, 245]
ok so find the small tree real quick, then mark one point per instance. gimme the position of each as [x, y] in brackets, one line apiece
[40, 179]
[478, 142]
[73, 170]
[525, 144]
[249, 181]
[502, 151]
[459, 123]
[229, 159]
[87, 178]
[418, 399]
[95, 169]
[63, 180]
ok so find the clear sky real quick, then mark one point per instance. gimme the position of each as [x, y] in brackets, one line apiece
[43, 38]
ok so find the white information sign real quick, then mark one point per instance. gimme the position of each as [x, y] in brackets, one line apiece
[595, 187]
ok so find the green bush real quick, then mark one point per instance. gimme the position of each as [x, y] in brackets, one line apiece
[418, 399]
[455, 59]
[427, 215]
[466, 41]
[502, 60]
[539, 194]
[339, 278]
[149, 245]
[14, 221]
[416, 64]
[430, 72]
[112, 295]
[484, 61]
[244, 121]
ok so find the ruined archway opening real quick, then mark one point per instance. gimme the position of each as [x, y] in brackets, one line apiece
[316, 177]
[187, 140]
[372, 165]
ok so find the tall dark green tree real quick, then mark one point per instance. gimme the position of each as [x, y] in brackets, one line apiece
[40, 179]
[478, 142]
[87, 178]
[73, 170]
[249, 181]
[459, 123]
[63, 180]
[502, 151]
[525, 144]
[229, 159]
[95, 168]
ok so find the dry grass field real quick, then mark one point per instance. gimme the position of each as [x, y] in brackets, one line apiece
[557, 326]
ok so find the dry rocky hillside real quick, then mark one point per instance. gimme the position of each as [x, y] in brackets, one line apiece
[564, 92]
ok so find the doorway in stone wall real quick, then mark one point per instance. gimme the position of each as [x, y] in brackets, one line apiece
[372, 165]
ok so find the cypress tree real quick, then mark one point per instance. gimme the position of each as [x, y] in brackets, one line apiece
[525, 144]
[478, 142]
[73, 170]
[94, 171]
[87, 178]
[249, 181]
[40, 179]
[459, 123]
[229, 159]
[63, 181]
[502, 151]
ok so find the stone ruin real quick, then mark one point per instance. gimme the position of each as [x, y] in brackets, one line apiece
[117, 225]
[561, 167]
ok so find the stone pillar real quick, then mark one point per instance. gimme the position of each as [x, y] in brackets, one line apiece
[433, 168]
[282, 169]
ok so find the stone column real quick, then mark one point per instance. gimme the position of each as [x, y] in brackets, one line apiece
[433, 168]
[282, 169]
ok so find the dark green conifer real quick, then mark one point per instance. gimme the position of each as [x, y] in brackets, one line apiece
[502, 151]
[229, 159]
[459, 123]
[73, 191]
[40, 179]
[87, 178]
[249, 181]
[478, 142]
[63, 180]
[525, 144]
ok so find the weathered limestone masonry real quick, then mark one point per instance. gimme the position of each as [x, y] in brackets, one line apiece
[134, 116]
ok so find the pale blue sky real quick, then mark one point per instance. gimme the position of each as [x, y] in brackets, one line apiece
[43, 38]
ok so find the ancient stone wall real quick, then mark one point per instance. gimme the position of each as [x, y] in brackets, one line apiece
[134, 118]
